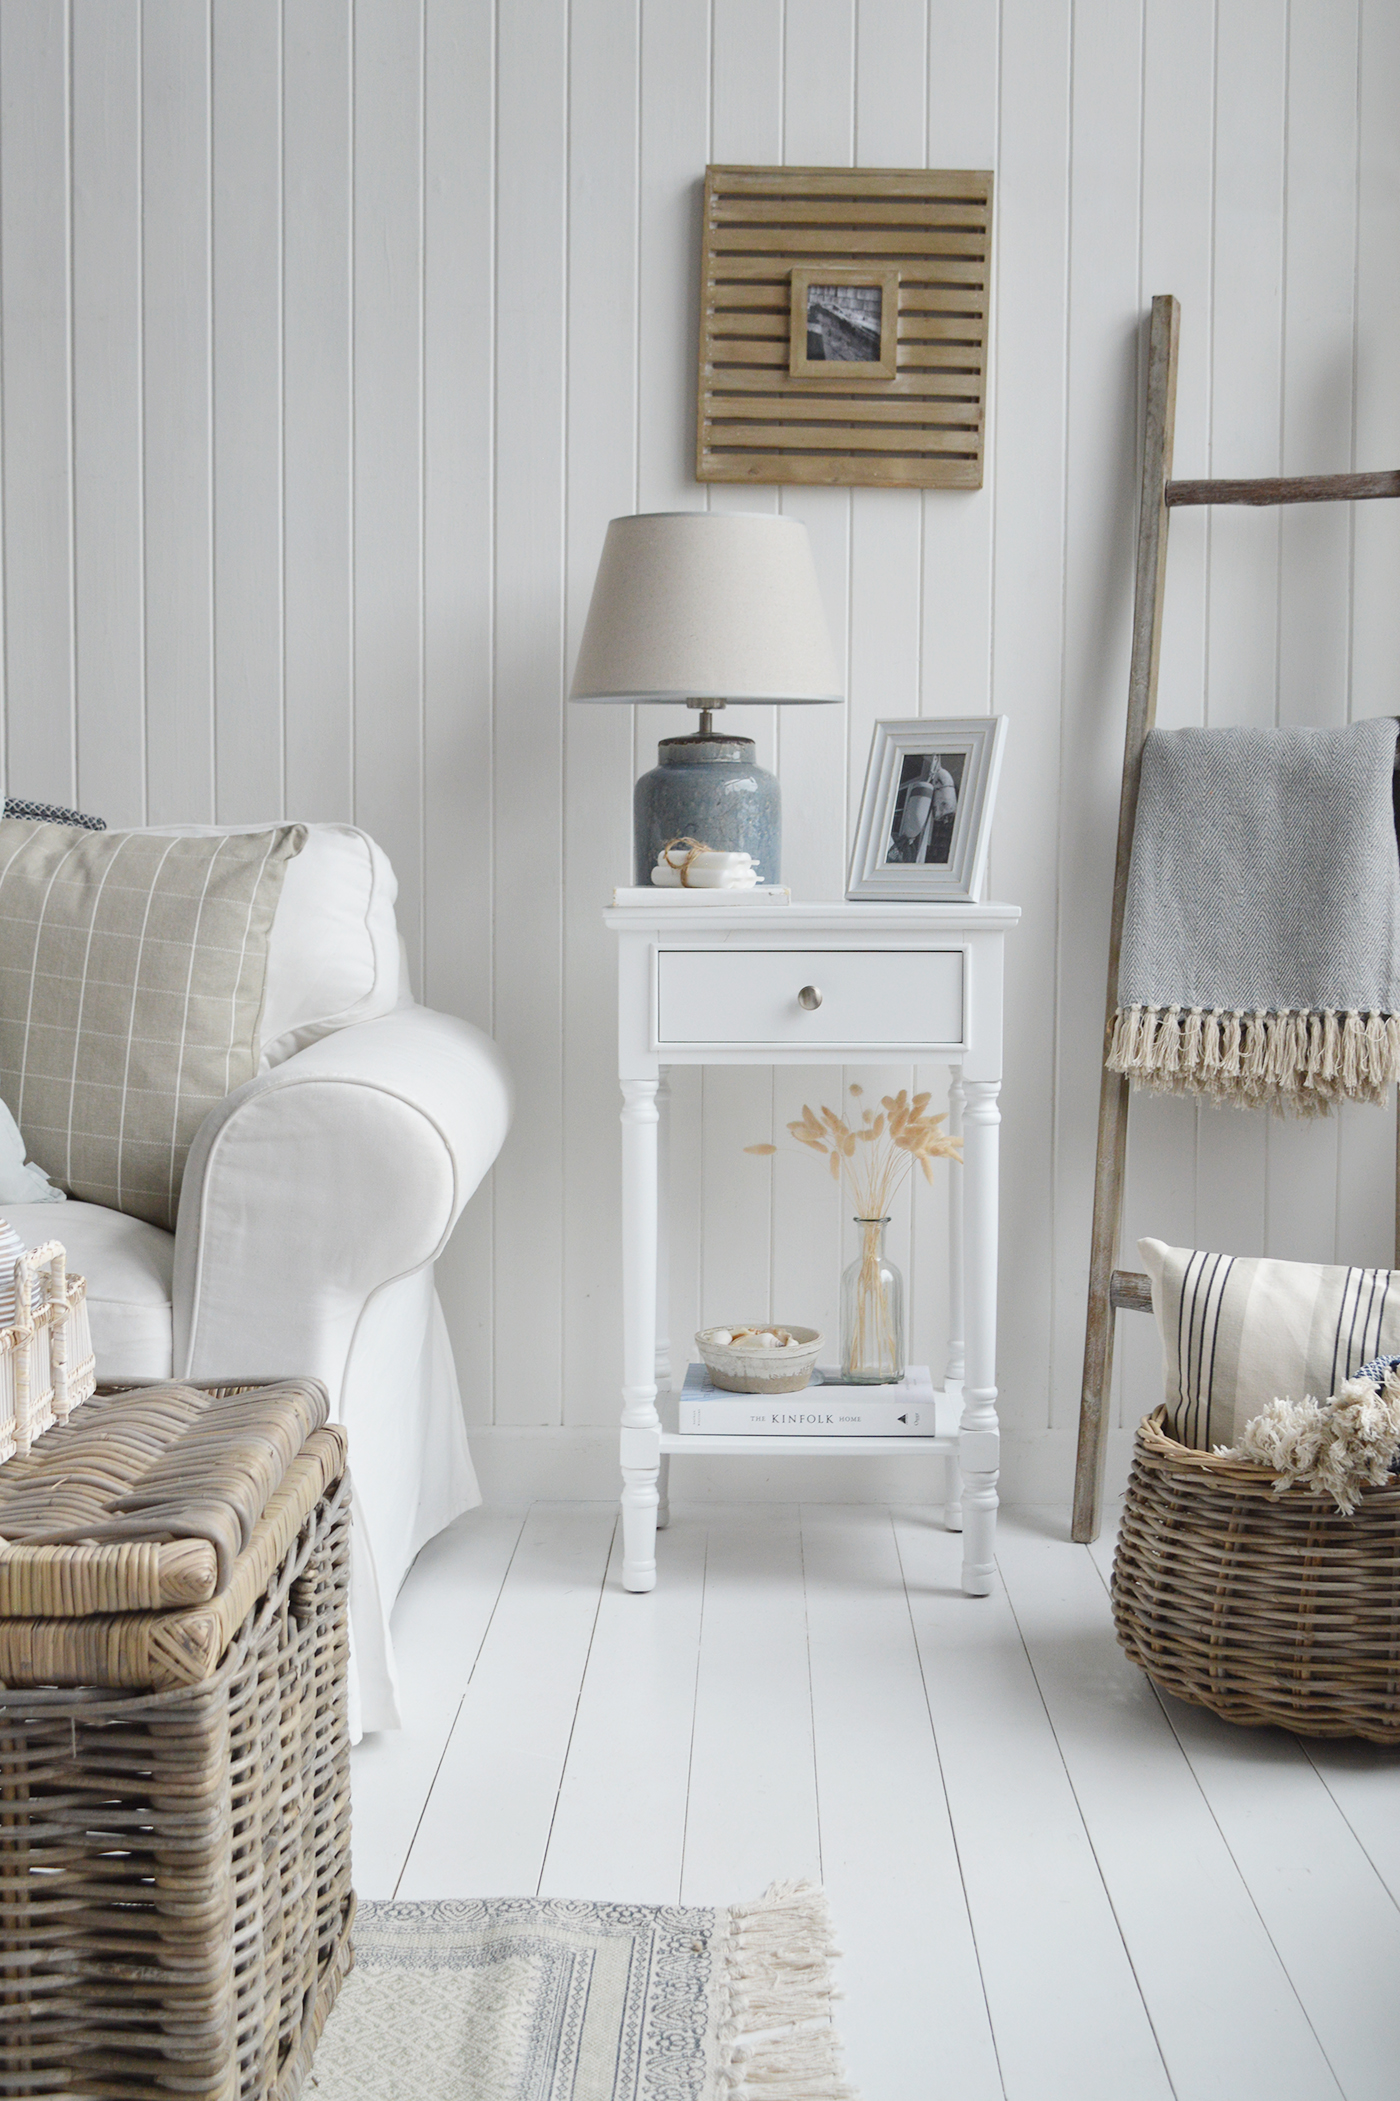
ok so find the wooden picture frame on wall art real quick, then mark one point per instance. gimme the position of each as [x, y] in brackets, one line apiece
[843, 324]
[771, 411]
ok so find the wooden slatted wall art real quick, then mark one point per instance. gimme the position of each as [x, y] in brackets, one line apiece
[919, 241]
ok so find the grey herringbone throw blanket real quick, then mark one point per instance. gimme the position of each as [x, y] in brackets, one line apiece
[1261, 945]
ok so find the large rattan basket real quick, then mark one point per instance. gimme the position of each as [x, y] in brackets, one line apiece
[175, 1899]
[1267, 1609]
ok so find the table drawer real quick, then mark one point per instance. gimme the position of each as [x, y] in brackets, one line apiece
[884, 998]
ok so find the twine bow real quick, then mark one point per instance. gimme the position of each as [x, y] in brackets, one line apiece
[697, 846]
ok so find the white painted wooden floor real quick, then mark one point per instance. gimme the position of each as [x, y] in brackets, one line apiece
[1047, 1882]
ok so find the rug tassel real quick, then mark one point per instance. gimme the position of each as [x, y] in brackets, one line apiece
[775, 2037]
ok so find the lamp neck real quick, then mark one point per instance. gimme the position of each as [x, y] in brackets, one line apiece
[707, 709]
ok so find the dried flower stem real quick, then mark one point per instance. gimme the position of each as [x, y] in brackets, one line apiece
[875, 1155]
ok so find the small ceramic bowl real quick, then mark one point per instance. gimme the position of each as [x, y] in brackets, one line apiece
[741, 1367]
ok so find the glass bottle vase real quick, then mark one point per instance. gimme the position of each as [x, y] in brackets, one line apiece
[872, 1312]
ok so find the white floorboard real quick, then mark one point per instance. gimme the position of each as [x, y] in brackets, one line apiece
[889, 1856]
[485, 1829]
[440, 1623]
[751, 1817]
[1200, 1950]
[1047, 1882]
[1066, 2011]
[632, 1738]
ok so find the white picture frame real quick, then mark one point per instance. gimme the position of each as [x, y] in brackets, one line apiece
[910, 845]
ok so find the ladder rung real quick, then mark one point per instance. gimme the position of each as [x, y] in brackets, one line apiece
[1294, 488]
[1129, 1292]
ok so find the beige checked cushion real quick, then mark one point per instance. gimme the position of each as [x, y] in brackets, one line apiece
[131, 987]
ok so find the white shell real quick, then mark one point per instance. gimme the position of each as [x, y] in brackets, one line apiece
[765, 1340]
[721, 1336]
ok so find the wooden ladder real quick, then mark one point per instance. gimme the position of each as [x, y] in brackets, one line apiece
[1110, 1288]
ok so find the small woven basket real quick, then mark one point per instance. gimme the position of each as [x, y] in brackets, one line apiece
[1270, 1610]
[47, 1368]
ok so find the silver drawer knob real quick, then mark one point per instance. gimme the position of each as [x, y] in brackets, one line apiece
[810, 998]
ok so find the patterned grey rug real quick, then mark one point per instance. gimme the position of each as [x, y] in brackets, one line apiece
[516, 1999]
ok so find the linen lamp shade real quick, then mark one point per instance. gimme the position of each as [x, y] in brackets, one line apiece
[707, 607]
[691, 605]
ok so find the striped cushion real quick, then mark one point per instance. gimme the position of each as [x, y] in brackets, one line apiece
[131, 987]
[1238, 1333]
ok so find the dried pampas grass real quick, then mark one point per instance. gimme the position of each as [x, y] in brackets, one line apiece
[1336, 1447]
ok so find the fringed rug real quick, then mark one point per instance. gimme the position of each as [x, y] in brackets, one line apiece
[515, 1999]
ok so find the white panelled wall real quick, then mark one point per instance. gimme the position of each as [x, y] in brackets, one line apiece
[334, 333]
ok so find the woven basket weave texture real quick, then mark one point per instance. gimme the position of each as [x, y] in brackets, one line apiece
[1267, 1609]
[175, 1897]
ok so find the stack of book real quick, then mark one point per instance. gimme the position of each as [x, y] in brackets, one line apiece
[826, 1408]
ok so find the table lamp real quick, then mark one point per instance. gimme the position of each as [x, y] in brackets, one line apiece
[707, 607]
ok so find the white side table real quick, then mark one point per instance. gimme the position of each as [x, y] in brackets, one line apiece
[735, 985]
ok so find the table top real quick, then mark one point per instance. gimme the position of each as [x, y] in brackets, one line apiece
[841, 916]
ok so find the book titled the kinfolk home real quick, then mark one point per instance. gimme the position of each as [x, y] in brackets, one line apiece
[826, 1408]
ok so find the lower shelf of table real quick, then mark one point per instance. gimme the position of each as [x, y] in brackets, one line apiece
[676, 1446]
[947, 1408]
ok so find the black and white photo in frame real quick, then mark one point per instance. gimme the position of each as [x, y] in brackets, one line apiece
[926, 813]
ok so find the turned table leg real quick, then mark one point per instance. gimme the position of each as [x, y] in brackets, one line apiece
[979, 1442]
[664, 1381]
[641, 1425]
[954, 1373]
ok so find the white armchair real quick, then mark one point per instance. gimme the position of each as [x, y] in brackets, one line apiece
[314, 1203]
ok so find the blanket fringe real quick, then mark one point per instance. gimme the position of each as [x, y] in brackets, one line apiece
[775, 2037]
[1295, 1064]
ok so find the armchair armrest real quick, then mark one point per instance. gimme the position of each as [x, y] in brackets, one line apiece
[340, 1170]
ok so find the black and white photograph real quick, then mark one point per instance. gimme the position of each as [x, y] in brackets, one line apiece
[843, 324]
[925, 807]
[926, 811]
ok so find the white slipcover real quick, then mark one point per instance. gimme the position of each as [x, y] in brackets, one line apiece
[315, 1201]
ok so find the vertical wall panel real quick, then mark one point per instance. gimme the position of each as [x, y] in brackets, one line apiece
[1365, 1207]
[1246, 359]
[1177, 145]
[248, 409]
[109, 638]
[34, 375]
[602, 470]
[458, 494]
[177, 413]
[1032, 232]
[318, 721]
[388, 440]
[531, 228]
[1319, 308]
[334, 331]
[1102, 472]
[957, 524]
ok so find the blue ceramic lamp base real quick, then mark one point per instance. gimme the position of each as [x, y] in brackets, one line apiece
[709, 788]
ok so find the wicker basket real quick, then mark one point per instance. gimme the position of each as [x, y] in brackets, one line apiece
[175, 1898]
[46, 1363]
[1267, 1609]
